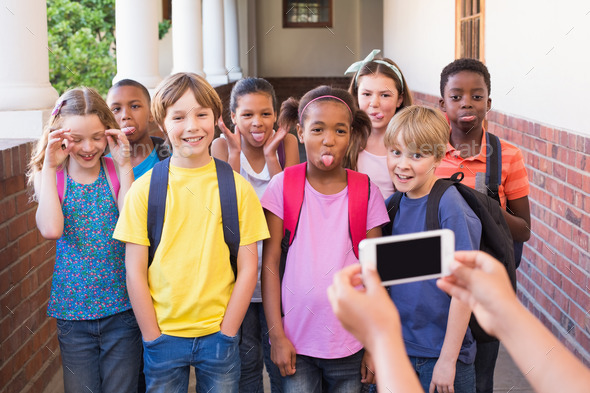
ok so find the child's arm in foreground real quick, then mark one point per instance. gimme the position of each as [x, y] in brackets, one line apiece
[121, 153]
[482, 282]
[367, 364]
[49, 215]
[136, 258]
[518, 218]
[370, 315]
[443, 375]
[282, 351]
[243, 290]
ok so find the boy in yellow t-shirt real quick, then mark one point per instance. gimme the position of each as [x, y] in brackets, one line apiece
[188, 303]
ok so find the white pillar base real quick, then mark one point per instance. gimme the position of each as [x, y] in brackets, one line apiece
[218, 80]
[23, 124]
[235, 76]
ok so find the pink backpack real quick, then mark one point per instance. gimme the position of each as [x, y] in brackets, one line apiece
[112, 179]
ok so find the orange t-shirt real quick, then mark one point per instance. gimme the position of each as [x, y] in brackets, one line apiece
[515, 182]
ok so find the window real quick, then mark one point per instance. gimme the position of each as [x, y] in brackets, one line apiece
[469, 29]
[307, 13]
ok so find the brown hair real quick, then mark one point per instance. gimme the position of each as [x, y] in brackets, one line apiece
[374, 68]
[174, 86]
[421, 128]
[360, 126]
[81, 101]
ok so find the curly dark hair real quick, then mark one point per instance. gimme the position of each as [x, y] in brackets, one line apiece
[464, 65]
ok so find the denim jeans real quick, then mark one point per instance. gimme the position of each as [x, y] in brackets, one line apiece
[100, 355]
[254, 348]
[464, 374]
[485, 363]
[215, 357]
[316, 375]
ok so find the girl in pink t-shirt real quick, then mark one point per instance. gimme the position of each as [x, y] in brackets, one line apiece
[308, 344]
[381, 90]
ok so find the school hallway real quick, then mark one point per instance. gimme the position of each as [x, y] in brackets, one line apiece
[507, 378]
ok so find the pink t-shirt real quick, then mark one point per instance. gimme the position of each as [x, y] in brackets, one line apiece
[321, 247]
[376, 167]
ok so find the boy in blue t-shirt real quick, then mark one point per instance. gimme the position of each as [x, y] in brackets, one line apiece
[130, 103]
[435, 326]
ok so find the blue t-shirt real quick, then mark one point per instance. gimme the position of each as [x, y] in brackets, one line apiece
[423, 308]
[146, 164]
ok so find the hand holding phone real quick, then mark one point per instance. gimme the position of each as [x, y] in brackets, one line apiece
[411, 257]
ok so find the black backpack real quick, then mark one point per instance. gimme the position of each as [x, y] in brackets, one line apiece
[494, 180]
[496, 238]
[227, 197]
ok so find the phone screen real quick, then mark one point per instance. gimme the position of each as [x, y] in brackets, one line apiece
[409, 258]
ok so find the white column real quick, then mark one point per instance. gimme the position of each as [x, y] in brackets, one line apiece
[214, 42]
[26, 96]
[232, 40]
[137, 41]
[187, 36]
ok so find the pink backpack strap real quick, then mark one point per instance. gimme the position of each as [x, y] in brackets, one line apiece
[293, 189]
[358, 204]
[112, 178]
[61, 176]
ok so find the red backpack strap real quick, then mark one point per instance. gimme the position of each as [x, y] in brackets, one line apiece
[293, 189]
[61, 184]
[358, 204]
[112, 178]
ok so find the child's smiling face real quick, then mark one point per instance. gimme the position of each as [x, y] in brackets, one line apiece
[88, 141]
[466, 101]
[411, 171]
[190, 129]
[325, 133]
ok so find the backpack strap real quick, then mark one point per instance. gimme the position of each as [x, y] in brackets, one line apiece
[281, 153]
[392, 208]
[229, 211]
[493, 165]
[359, 188]
[293, 190]
[436, 193]
[157, 205]
[112, 173]
[62, 183]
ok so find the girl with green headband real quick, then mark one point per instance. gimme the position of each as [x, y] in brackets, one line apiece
[381, 90]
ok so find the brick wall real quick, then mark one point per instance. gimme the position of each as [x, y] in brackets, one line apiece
[29, 354]
[554, 276]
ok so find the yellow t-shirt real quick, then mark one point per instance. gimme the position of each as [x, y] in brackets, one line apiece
[190, 278]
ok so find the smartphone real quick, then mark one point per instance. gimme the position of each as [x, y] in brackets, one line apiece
[411, 257]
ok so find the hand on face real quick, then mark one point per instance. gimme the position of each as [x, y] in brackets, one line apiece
[272, 143]
[58, 148]
[119, 147]
[234, 140]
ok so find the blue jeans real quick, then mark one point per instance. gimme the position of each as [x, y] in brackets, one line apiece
[100, 355]
[485, 363]
[215, 357]
[316, 375]
[464, 374]
[254, 348]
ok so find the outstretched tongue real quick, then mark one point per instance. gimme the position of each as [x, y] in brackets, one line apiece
[128, 130]
[379, 116]
[327, 160]
[258, 136]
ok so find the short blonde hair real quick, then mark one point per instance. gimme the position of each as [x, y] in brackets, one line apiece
[422, 129]
[174, 86]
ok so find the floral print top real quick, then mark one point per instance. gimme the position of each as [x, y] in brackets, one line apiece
[89, 273]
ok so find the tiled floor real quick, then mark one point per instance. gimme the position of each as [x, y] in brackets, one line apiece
[507, 378]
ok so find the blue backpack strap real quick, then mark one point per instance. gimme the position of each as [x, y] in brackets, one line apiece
[157, 205]
[229, 211]
[493, 165]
